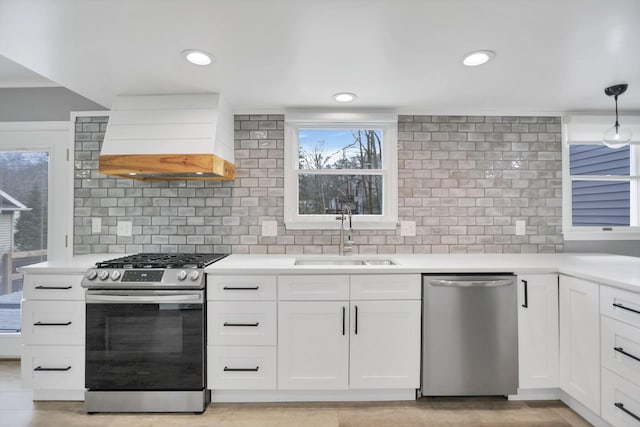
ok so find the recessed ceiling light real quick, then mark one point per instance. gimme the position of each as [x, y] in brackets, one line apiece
[132, 174]
[478, 57]
[344, 97]
[197, 57]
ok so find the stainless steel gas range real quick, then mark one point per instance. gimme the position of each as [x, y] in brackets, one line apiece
[145, 333]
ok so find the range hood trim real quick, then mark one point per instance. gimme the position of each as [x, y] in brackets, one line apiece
[156, 167]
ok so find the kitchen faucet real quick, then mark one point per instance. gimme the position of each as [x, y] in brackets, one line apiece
[348, 247]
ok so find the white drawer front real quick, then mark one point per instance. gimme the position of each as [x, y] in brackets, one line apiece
[621, 348]
[53, 287]
[241, 288]
[241, 368]
[241, 323]
[385, 286]
[620, 304]
[53, 322]
[53, 367]
[313, 288]
[616, 392]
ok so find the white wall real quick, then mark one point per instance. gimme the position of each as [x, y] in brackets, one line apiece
[42, 104]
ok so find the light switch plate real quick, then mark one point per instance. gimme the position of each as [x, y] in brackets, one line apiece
[521, 227]
[96, 225]
[407, 228]
[269, 228]
[124, 228]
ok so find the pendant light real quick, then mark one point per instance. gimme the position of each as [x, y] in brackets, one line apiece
[616, 136]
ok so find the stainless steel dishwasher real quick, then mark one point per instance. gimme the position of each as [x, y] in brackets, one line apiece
[470, 333]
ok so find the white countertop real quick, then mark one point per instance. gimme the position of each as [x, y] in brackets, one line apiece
[614, 270]
[77, 264]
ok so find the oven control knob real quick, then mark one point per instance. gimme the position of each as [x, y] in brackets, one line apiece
[104, 275]
[182, 275]
[91, 275]
[115, 275]
[194, 275]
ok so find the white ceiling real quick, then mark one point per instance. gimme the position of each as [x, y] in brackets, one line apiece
[553, 56]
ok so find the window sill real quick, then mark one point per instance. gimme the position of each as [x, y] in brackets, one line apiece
[601, 235]
[335, 225]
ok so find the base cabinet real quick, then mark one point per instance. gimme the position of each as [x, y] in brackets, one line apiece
[384, 344]
[313, 345]
[580, 341]
[538, 335]
[369, 342]
[53, 325]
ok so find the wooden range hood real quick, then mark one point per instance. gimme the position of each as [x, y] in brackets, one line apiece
[169, 137]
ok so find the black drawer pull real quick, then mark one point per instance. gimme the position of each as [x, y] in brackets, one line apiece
[235, 288]
[526, 294]
[628, 412]
[241, 324]
[40, 368]
[344, 318]
[626, 308]
[52, 324]
[241, 369]
[54, 287]
[621, 350]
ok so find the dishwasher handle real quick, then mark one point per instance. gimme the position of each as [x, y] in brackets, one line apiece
[471, 283]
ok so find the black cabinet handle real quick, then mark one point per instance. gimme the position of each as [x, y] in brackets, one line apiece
[626, 308]
[241, 369]
[526, 294]
[51, 324]
[40, 368]
[241, 324]
[356, 328]
[344, 318]
[621, 350]
[54, 287]
[234, 288]
[625, 410]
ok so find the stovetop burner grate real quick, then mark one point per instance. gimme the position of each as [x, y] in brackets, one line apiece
[153, 260]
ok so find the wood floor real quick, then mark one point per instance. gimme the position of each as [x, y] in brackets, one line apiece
[18, 410]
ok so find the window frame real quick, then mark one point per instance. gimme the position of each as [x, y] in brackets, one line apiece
[387, 123]
[587, 130]
[51, 137]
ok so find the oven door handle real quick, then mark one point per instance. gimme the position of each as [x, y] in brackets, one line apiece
[143, 299]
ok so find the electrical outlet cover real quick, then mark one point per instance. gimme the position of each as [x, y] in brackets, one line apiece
[124, 228]
[407, 228]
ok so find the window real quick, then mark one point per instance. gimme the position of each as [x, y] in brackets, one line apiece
[601, 198]
[35, 211]
[331, 167]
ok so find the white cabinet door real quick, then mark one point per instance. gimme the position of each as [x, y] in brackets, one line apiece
[313, 345]
[538, 341]
[580, 341]
[385, 344]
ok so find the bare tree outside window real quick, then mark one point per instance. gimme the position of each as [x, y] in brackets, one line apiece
[338, 170]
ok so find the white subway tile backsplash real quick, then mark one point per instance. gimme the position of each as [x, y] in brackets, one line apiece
[463, 180]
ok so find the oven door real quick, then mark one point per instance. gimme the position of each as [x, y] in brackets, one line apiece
[145, 340]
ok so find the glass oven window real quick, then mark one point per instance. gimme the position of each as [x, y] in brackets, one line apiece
[145, 346]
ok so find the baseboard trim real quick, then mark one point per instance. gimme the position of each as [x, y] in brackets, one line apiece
[536, 394]
[582, 410]
[311, 395]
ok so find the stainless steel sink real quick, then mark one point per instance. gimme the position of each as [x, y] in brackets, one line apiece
[343, 261]
[380, 262]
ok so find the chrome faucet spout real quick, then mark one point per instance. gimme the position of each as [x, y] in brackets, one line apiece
[348, 246]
